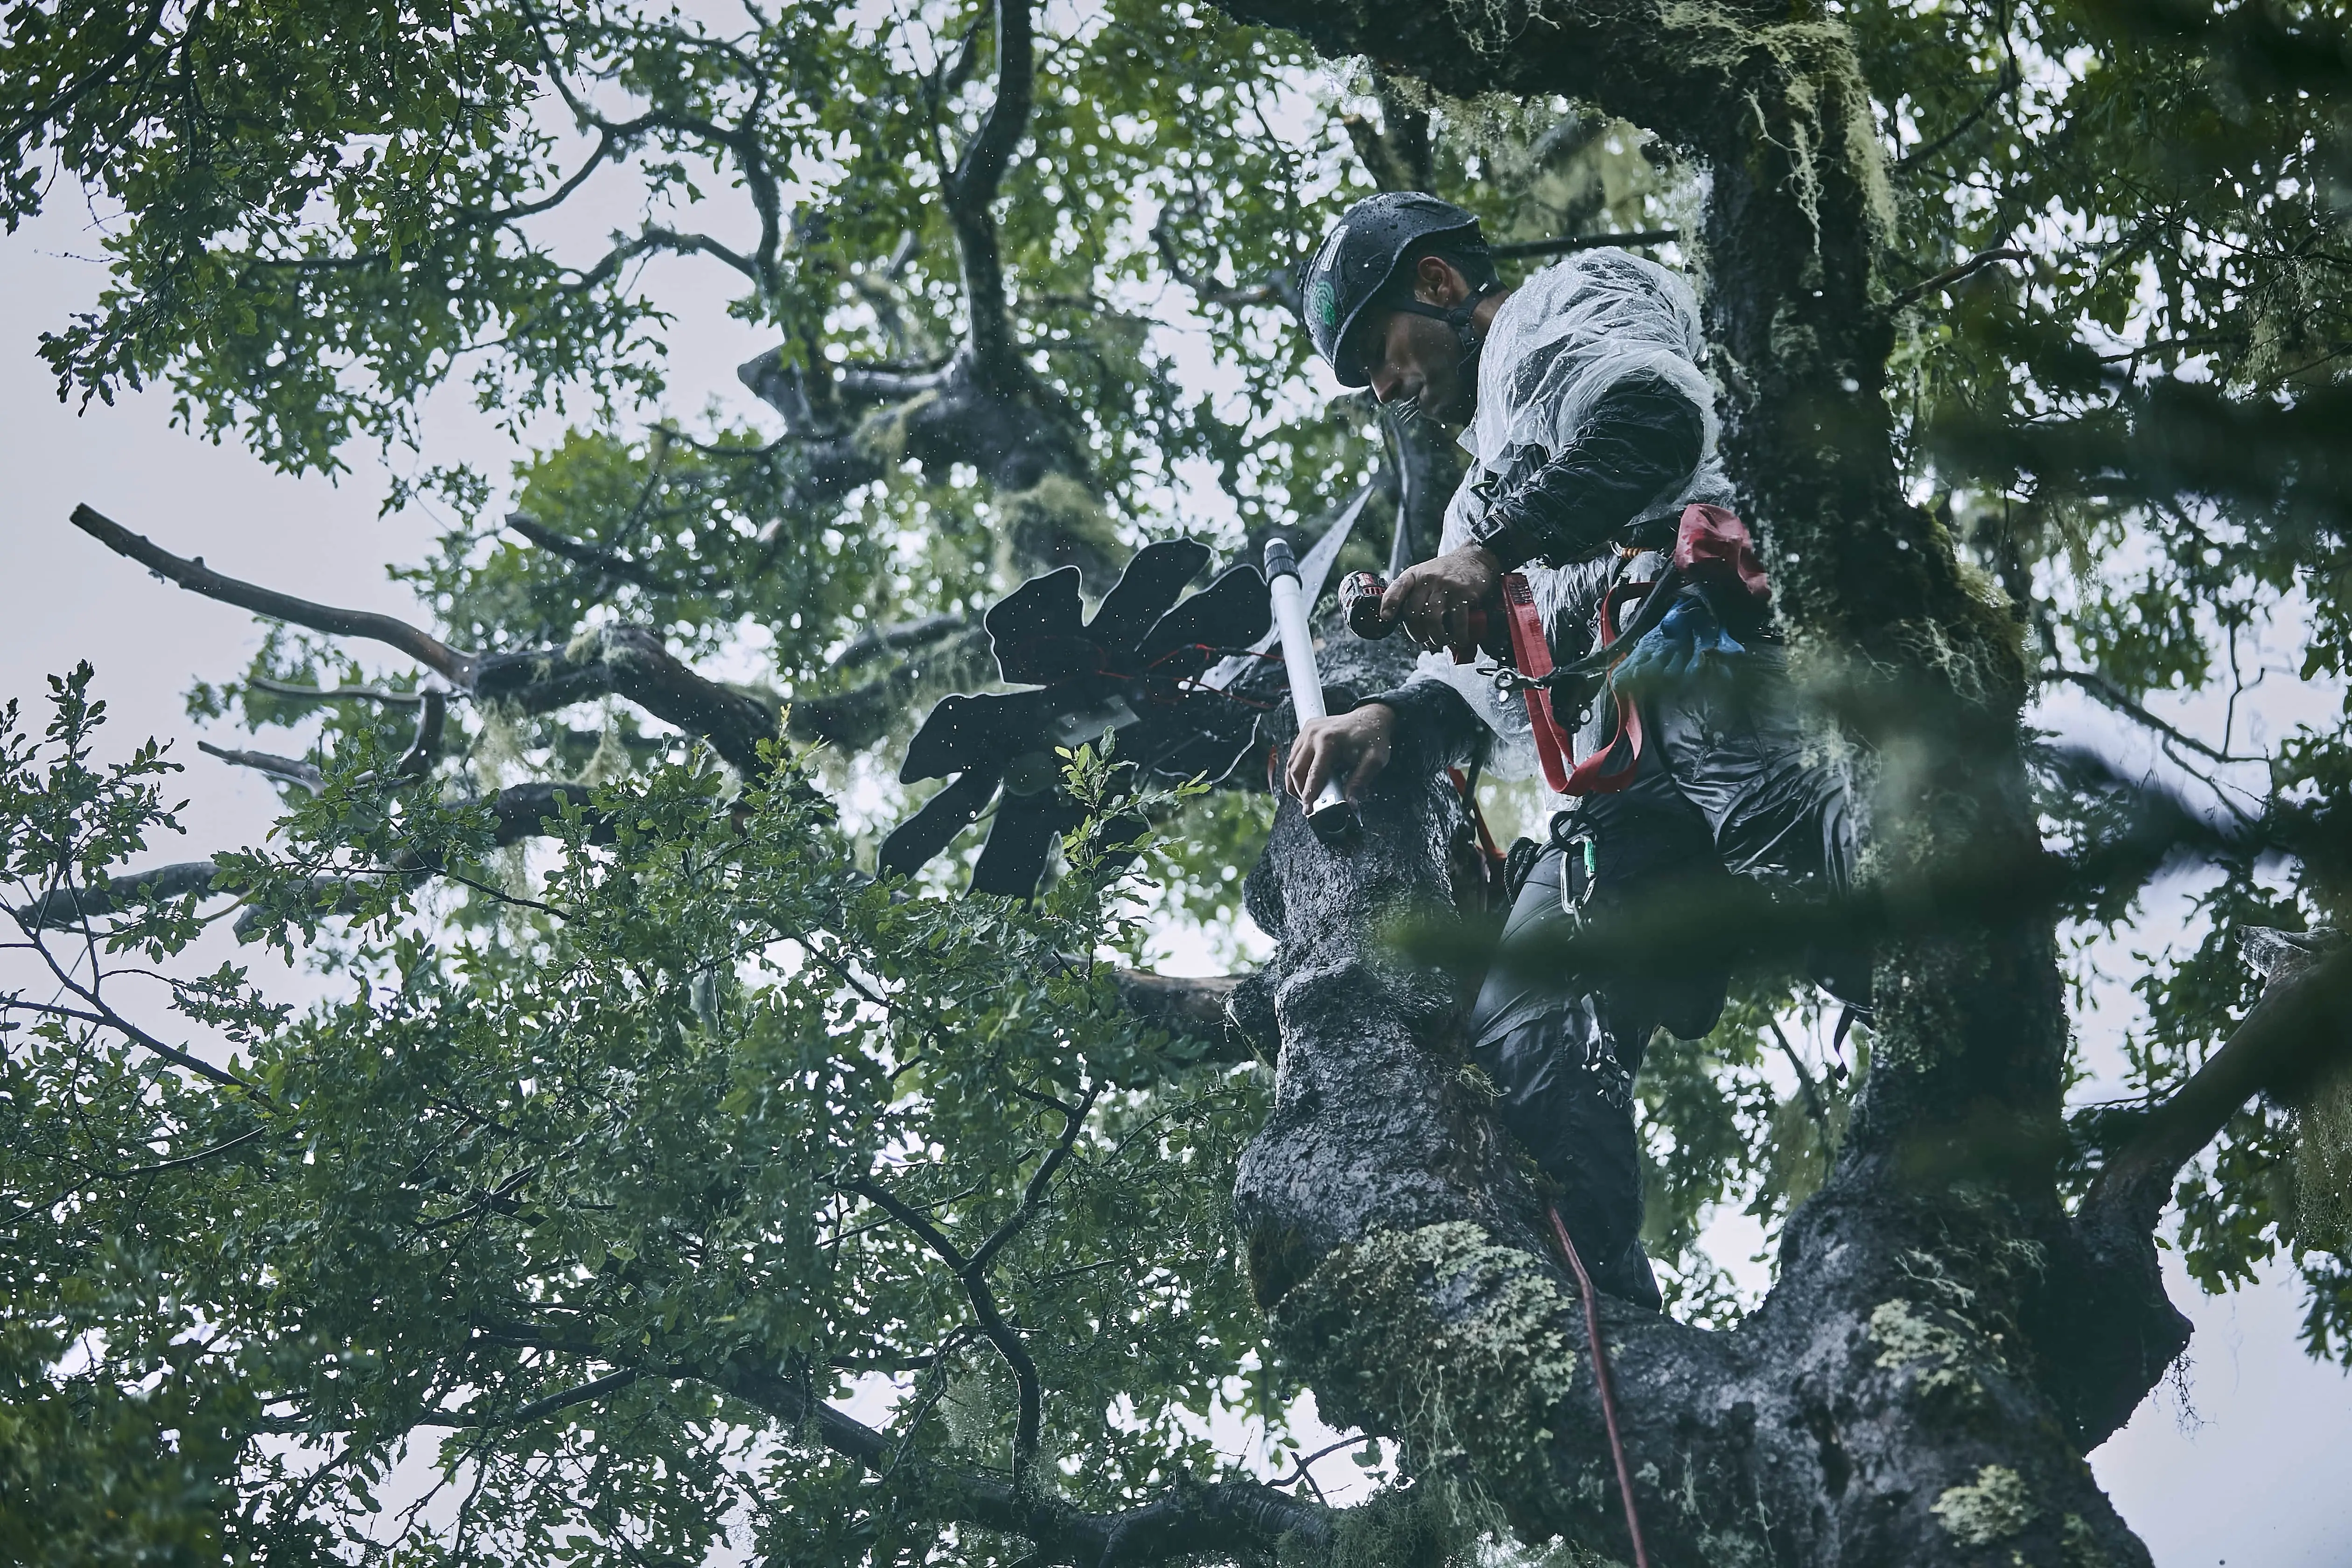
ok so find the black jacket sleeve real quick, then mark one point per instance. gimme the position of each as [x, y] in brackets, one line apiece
[1644, 435]
[1438, 719]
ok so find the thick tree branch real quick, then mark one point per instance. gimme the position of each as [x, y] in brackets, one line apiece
[538, 1409]
[2301, 1024]
[385, 695]
[425, 751]
[972, 189]
[1396, 153]
[1194, 1008]
[864, 384]
[982, 170]
[68, 906]
[596, 557]
[631, 662]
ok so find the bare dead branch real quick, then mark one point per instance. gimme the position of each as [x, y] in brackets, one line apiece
[385, 695]
[287, 770]
[2110, 695]
[196, 577]
[1952, 275]
[621, 661]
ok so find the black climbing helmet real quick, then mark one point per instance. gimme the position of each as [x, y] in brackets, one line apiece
[1358, 261]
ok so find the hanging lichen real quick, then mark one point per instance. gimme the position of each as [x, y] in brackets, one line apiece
[2323, 1164]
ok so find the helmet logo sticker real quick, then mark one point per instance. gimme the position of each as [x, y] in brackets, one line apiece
[1324, 301]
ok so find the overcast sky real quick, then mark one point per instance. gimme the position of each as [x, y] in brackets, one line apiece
[2244, 1463]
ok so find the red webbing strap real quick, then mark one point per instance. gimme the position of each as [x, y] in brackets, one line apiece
[1595, 775]
[1531, 651]
[1602, 1382]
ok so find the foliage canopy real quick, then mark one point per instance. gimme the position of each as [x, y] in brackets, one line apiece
[651, 1126]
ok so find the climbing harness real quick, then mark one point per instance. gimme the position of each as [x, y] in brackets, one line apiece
[1712, 551]
[1601, 1381]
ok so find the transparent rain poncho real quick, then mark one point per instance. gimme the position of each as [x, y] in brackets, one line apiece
[1555, 348]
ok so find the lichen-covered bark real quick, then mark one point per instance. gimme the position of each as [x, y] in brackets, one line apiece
[1886, 1404]
[1944, 1341]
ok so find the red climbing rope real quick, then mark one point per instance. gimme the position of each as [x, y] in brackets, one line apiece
[1601, 1379]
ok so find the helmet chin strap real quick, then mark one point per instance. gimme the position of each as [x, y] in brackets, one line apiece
[1468, 336]
[1462, 318]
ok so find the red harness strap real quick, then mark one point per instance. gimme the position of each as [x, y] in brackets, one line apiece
[1606, 771]
[1531, 651]
[1709, 543]
[1611, 768]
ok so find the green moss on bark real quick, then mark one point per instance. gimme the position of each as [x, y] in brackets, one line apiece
[1461, 1341]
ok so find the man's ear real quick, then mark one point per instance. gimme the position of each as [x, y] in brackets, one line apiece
[1436, 282]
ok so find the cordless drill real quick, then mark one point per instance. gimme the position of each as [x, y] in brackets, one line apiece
[1360, 606]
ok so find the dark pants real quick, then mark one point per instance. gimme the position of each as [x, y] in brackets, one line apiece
[1725, 787]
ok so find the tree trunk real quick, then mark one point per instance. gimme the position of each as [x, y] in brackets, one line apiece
[1889, 1402]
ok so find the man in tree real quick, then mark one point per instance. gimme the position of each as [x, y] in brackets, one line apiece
[1593, 430]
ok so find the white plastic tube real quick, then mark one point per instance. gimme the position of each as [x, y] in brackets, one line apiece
[1331, 815]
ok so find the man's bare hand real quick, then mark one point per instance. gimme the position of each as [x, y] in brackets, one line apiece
[1434, 599]
[1353, 746]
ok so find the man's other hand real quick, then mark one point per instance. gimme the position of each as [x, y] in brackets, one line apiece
[1434, 599]
[1353, 746]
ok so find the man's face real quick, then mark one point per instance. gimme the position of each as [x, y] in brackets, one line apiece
[1417, 359]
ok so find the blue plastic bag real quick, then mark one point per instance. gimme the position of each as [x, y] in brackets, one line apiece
[1688, 644]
